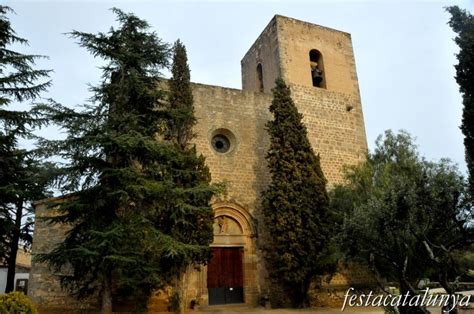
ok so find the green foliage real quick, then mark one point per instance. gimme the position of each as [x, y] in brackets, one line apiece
[23, 178]
[295, 205]
[139, 205]
[18, 78]
[16, 302]
[462, 23]
[190, 170]
[191, 173]
[403, 216]
[465, 259]
[180, 98]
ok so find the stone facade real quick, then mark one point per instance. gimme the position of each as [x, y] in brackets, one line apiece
[332, 115]
[44, 287]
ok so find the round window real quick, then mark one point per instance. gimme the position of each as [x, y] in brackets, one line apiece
[221, 143]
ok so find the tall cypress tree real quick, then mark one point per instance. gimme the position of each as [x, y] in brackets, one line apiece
[191, 171]
[295, 205]
[462, 23]
[181, 98]
[23, 178]
[139, 209]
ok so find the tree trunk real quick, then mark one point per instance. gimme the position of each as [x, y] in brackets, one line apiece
[183, 291]
[405, 288]
[13, 248]
[107, 296]
[299, 294]
[304, 293]
[181, 287]
[443, 280]
[443, 276]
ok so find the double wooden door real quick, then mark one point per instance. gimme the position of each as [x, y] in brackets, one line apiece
[225, 280]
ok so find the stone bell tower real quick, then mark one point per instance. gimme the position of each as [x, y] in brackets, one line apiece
[318, 64]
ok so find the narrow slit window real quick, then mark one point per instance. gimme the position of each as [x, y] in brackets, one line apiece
[260, 77]
[317, 71]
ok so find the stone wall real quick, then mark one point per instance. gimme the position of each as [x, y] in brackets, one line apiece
[241, 116]
[23, 258]
[297, 38]
[244, 114]
[333, 115]
[265, 51]
[43, 286]
[336, 133]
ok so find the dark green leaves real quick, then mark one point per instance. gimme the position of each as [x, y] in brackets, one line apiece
[139, 212]
[462, 23]
[295, 205]
[23, 177]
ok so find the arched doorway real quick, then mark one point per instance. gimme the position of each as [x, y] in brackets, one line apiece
[229, 273]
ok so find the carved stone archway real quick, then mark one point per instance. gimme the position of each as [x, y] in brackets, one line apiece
[234, 227]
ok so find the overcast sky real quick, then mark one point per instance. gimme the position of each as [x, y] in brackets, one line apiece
[404, 52]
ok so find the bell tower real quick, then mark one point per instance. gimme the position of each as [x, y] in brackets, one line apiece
[318, 65]
[301, 53]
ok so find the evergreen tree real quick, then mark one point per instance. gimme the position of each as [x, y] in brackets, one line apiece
[191, 171]
[139, 209]
[23, 178]
[181, 98]
[295, 205]
[462, 23]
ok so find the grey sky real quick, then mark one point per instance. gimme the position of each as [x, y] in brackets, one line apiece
[404, 52]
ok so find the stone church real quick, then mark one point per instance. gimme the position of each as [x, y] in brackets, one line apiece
[318, 64]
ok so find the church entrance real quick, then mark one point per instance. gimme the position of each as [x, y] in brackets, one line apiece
[225, 278]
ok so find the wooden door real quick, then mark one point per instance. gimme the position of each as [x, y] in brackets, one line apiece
[225, 280]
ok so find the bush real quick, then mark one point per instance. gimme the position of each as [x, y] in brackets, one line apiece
[16, 302]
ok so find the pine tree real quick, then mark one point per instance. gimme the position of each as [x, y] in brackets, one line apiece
[138, 204]
[295, 205]
[23, 178]
[462, 23]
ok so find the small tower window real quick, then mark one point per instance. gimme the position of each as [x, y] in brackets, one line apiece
[260, 77]
[317, 71]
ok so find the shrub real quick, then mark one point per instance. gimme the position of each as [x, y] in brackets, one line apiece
[16, 302]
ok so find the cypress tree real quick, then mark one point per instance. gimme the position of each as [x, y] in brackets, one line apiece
[23, 178]
[181, 98]
[191, 171]
[295, 205]
[462, 23]
[138, 208]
